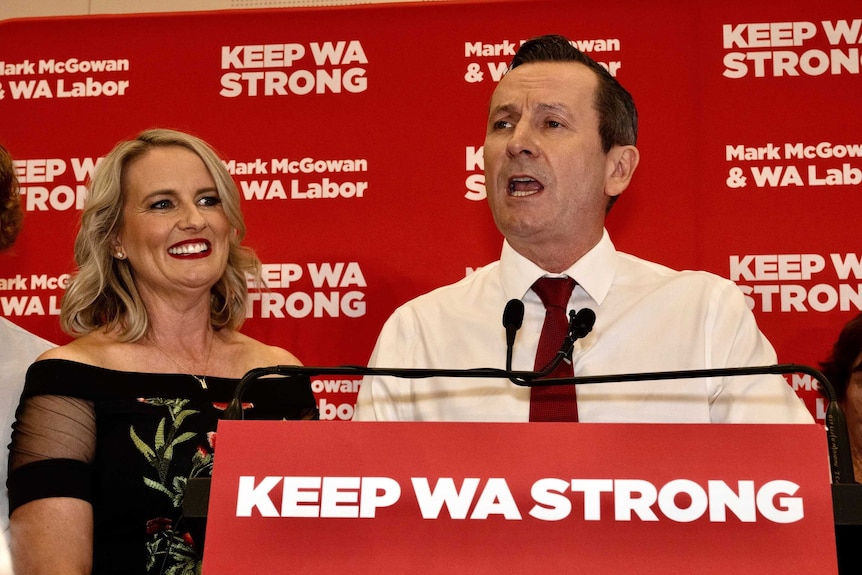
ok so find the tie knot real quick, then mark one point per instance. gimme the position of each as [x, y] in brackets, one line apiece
[554, 292]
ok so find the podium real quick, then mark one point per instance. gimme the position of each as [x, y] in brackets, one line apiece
[422, 497]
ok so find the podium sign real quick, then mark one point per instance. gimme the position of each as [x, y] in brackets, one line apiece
[313, 497]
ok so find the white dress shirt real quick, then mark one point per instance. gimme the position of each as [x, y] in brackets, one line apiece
[648, 318]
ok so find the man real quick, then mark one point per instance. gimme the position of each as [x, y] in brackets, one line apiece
[559, 149]
[18, 348]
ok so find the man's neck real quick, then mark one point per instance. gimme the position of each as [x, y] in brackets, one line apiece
[553, 258]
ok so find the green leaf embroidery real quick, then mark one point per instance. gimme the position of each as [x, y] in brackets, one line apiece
[157, 486]
[160, 436]
[148, 453]
[167, 436]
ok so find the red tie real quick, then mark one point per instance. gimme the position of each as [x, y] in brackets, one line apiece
[553, 402]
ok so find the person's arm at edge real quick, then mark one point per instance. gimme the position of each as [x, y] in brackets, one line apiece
[52, 536]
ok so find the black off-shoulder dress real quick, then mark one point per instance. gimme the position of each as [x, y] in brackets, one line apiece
[128, 442]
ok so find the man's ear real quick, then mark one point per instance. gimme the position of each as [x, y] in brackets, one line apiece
[622, 163]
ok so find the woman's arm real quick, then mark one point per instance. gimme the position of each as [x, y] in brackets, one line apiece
[52, 536]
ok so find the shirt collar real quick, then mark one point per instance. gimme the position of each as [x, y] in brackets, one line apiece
[594, 272]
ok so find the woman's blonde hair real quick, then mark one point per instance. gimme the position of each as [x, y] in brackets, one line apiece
[102, 293]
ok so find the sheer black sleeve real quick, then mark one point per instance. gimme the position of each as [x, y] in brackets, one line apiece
[53, 446]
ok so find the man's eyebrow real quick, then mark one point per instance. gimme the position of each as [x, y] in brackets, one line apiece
[543, 107]
[554, 107]
[507, 108]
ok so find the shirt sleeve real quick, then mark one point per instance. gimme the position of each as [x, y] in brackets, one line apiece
[388, 398]
[736, 341]
[53, 437]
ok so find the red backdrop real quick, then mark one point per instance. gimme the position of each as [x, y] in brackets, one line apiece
[750, 139]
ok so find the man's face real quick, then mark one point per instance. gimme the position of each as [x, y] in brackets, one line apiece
[545, 172]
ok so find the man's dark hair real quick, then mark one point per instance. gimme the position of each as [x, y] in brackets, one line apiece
[618, 117]
[838, 369]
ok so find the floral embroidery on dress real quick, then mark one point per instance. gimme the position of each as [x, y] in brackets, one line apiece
[170, 551]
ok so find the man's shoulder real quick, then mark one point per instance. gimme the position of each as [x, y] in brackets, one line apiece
[14, 336]
[464, 293]
[634, 267]
[478, 280]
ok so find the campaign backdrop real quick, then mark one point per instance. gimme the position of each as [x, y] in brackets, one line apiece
[355, 136]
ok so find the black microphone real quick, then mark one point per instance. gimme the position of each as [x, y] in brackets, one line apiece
[513, 317]
[580, 324]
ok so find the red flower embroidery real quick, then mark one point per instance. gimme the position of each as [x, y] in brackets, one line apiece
[158, 524]
[221, 406]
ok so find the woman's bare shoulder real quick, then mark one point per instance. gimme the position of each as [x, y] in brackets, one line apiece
[270, 354]
[254, 353]
[96, 348]
[80, 350]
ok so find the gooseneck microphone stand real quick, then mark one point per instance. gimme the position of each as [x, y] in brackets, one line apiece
[580, 324]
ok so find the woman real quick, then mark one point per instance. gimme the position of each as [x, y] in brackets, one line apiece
[843, 369]
[113, 424]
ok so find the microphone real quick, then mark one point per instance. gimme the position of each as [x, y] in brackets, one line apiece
[580, 324]
[513, 317]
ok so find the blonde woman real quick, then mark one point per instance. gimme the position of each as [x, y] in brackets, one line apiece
[113, 424]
